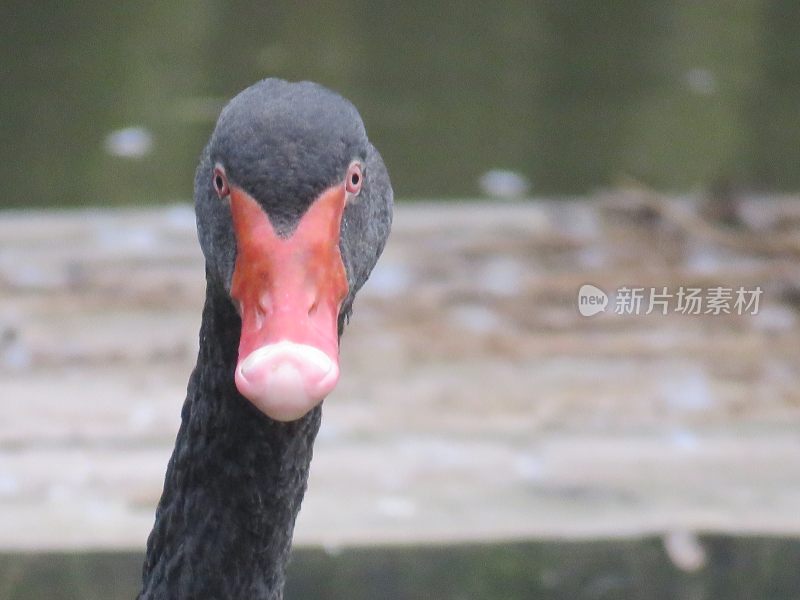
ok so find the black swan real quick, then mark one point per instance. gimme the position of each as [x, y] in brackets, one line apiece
[293, 207]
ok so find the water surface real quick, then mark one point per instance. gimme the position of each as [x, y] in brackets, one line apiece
[737, 568]
[111, 103]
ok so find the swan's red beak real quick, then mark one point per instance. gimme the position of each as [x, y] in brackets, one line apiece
[289, 292]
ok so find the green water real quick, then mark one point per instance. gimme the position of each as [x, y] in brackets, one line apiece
[571, 94]
[737, 569]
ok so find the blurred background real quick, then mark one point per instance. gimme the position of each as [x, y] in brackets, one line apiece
[486, 440]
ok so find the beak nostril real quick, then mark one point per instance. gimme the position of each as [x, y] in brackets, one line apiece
[264, 306]
[260, 316]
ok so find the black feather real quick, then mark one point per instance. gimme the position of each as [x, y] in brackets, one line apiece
[234, 484]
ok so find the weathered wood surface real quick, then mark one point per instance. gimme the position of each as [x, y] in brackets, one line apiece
[475, 401]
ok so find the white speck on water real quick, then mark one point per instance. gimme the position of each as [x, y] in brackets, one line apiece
[685, 550]
[397, 507]
[701, 81]
[503, 183]
[476, 318]
[129, 142]
[332, 549]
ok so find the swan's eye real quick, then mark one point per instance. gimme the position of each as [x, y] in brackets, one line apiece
[354, 179]
[220, 182]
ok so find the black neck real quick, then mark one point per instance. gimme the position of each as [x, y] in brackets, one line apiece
[234, 484]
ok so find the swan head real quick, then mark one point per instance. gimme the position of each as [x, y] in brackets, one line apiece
[293, 209]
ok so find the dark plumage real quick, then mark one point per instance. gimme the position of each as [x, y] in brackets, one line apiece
[236, 478]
